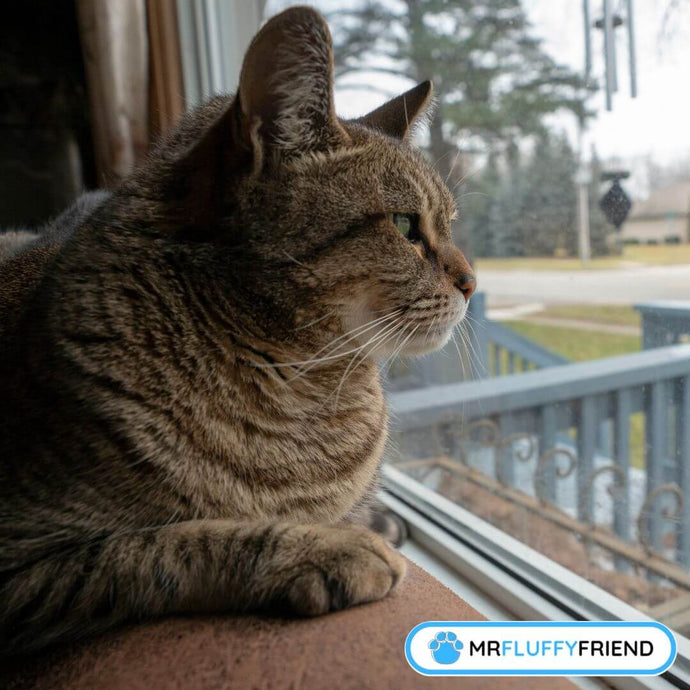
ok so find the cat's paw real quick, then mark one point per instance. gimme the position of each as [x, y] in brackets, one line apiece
[340, 567]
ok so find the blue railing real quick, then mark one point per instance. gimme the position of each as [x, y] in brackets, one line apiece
[664, 323]
[559, 439]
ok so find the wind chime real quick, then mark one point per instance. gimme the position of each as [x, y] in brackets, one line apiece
[615, 203]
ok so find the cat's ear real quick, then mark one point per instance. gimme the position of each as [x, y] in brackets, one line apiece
[397, 117]
[286, 85]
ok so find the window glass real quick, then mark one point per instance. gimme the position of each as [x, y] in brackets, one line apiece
[561, 412]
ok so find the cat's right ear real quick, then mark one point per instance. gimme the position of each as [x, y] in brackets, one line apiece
[285, 94]
[397, 118]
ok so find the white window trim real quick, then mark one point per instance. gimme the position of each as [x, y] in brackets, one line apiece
[214, 36]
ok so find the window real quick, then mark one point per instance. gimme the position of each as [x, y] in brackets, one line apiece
[558, 423]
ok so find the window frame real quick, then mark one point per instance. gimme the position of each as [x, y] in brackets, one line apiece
[213, 37]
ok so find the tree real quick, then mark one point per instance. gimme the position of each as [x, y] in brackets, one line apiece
[600, 230]
[549, 219]
[493, 81]
[660, 175]
[531, 207]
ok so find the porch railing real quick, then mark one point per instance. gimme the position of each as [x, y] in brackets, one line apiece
[664, 323]
[538, 438]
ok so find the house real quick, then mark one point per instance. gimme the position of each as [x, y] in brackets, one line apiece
[663, 217]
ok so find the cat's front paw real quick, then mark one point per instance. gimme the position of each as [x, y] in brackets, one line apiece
[340, 567]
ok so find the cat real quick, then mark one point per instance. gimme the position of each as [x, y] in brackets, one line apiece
[192, 412]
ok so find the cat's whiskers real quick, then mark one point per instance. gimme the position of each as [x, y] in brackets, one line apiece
[314, 360]
[349, 335]
[396, 350]
[401, 347]
[470, 337]
[315, 321]
[301, 373]
[303, 265]
[452, 167]
[380, 339]
[460, 357]
[431, 325]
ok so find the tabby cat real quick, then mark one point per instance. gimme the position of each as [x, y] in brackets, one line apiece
[192, 413]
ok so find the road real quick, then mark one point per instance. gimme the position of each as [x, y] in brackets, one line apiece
[615, 286]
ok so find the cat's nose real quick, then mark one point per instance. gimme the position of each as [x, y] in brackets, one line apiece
[458, 269]
[467, 284]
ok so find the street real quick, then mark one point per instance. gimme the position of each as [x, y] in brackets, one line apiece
[614, 286]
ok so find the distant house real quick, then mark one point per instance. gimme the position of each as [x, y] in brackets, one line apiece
[663, 217]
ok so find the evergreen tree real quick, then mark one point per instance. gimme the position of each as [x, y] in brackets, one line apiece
[601, 232]
[531, 207]
[549, 208]
[493, 81]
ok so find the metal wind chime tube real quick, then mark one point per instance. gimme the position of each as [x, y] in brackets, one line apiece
[609, 54]
[631, 49]
[588, 41]
[608, 24]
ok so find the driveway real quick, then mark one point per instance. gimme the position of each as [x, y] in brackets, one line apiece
[615, 286]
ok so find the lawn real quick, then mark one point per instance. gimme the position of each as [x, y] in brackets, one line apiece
[661, 254]
[575, 344]
[593, 313]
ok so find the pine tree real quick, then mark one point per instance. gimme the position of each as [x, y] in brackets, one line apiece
[549, 219]
[493, 81]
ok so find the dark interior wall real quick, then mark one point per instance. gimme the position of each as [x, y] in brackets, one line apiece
[46, 155]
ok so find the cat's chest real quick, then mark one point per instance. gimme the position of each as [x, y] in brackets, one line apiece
[290, 460]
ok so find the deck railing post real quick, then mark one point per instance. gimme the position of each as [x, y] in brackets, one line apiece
[505, 471]
[547, 442]
[621, 459]
[682, 458]
[655, 457]
[586, 446]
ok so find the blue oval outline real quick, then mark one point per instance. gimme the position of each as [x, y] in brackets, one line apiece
[541, 624]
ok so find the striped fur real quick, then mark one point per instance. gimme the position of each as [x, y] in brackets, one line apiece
[192, 412]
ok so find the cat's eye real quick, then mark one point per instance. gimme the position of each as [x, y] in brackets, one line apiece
[407, 224]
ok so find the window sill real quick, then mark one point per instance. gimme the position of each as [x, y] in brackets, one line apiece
[358, 648]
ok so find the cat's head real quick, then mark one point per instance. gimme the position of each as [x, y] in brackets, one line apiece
[325, 221]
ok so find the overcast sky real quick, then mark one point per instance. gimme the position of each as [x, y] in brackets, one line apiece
[657, 122]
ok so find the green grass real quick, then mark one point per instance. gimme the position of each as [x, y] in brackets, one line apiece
[544, 263]
[575, 344]
[594, 313]
[659, 255]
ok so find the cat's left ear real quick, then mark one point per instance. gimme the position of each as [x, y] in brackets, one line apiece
[397, 117]
[286, 85]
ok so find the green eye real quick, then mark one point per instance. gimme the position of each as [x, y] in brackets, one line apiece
[407, 223]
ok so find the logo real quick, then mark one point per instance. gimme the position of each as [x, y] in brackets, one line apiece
[445, 647]
[540, 648]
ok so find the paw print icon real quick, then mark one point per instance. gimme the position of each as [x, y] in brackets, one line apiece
[446, 648]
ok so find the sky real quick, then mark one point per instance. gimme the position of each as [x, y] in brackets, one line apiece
[658, 120]
[655, 124]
